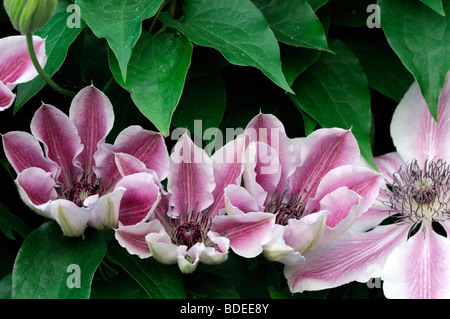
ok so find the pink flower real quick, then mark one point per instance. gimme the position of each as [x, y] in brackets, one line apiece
[412, 253]
[182, 231]
[76, 181]
[16, 66]
[314, 186]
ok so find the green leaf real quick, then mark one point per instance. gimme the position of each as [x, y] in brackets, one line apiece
[204, 285]
[383, 68]
[317, 4]
[420, 37]
[350, 13]
[5, 287]
[158, 280]
[203, 99]
[334, 92]
[10, 223]
[296, 61]
[49, 265]
[120, 287]
[250, 277]
[294, 23]
[237, 29]
[59, 36]
[120, 22]
[156, 75]
[436, 5]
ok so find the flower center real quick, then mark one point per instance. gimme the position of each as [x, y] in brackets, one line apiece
[420, 194]
[191, 229]
[189, 234]
[294, 208]
[82, 189]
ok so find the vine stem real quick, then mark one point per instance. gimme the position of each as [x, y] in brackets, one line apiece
[41, 72]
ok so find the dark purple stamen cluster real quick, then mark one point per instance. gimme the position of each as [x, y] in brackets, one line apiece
[189, 234]
[294, 208]
[192, 230]
[82, 189]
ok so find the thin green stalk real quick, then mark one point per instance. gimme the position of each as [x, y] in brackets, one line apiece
[41, 72]
[155, 18]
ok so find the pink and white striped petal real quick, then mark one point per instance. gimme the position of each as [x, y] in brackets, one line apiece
[277, 249]
[261, 180]
[247, 233]
[213, 256]
[23, 151]
[72, 219]
[355, 256]
[15, 62]
[363, 181]
[37, 189]
[188, 260]
[304, 234]
[416, 135]
[93, 116]
[132, 237]
[322, 151]
[141, 197]
[128, 164]
[61, 141]
[228, 167]
[344, 207]
[268, 129]
[191, 178]
[7, 97]
[238, 201]
[418, 268]
[104, 211]
[147, 146]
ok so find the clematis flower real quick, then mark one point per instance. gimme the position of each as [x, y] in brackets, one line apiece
[76, 181]
[16, 66]
[314, 186]
[410, 251]
[186, 228]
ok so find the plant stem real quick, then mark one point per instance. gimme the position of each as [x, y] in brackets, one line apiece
[41, 72]
[155, 18]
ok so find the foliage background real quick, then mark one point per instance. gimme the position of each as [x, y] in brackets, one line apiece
[341, 73]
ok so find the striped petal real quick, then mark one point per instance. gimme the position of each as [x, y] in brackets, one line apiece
[23, 151]
[418, 268]
[228, 167]
[415, 133]
[36, 188]
[323, 150]
[132, 237]
[104, 211]
[7, 97]
[355, 257]
[93, 116]
[266, 128]
[247, 233]
[61, 141]
[72, 219]
[147, 146]
[141, 197]
[15, 63]
[191, 178]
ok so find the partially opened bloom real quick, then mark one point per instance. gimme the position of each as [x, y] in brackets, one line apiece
[74, 181]
[186, 228]
[16, 66]
[314, 186]
[411, 254]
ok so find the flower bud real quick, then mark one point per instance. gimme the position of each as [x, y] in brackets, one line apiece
[28, 16]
